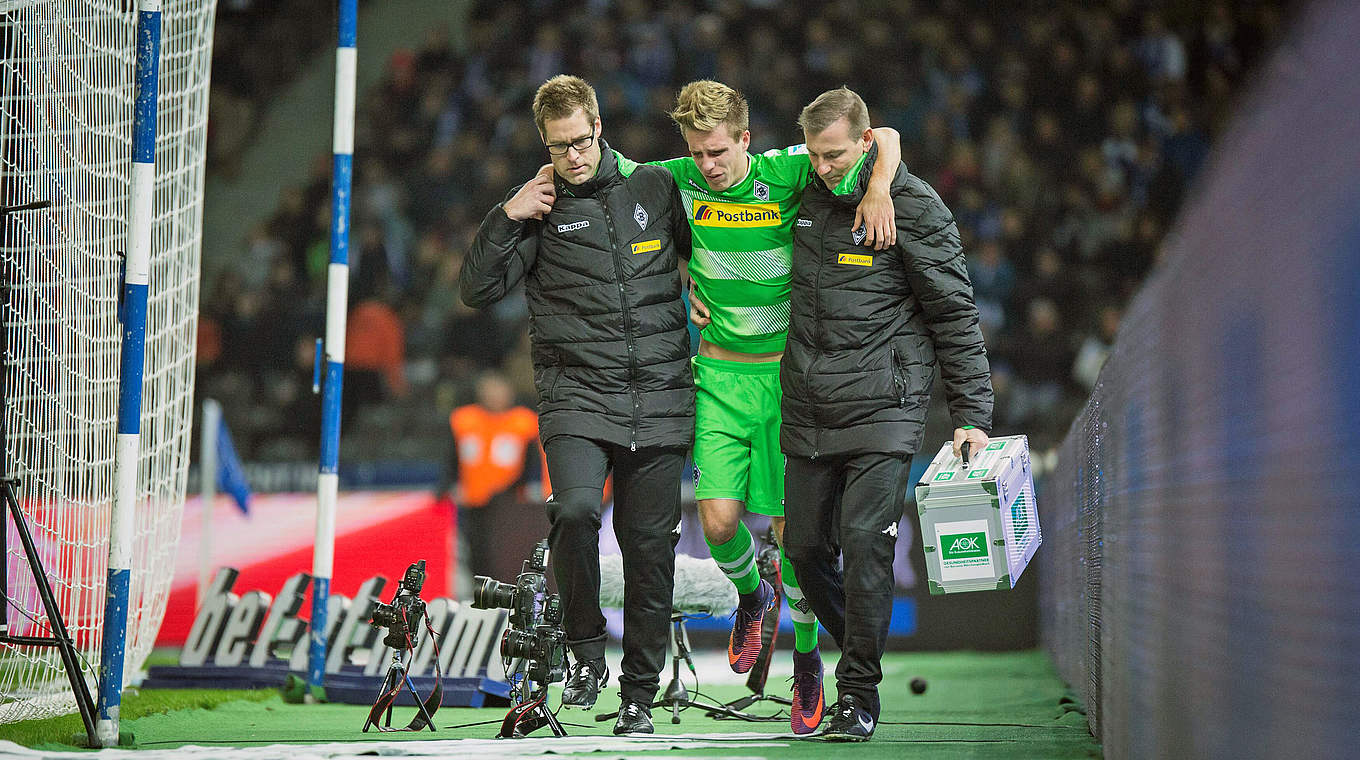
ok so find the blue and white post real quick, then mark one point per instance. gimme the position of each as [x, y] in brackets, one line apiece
[337, 295]
[127, 453]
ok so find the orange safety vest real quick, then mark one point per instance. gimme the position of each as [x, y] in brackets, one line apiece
[490, 449]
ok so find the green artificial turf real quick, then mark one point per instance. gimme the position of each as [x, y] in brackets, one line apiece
[59, 732]
[994, 705]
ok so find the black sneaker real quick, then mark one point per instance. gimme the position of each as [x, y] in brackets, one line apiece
[584, 682]
[634, 718]
[849, 722]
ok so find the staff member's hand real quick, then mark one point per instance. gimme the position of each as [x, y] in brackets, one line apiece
[879, 217]
[535, 199]
[698, 311]
[977, 441]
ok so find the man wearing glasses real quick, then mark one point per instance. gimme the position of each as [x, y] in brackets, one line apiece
[598, 242]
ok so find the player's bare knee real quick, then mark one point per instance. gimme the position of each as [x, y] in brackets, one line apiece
[718, 520]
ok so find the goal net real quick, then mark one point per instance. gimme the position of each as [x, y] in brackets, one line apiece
[66, 111]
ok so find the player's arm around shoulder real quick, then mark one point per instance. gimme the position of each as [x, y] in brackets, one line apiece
[875, 212]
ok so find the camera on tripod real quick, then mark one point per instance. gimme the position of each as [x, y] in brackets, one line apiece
[535, 634]
[402, 617]
[402, 620]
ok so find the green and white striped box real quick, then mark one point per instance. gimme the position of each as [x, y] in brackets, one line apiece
[979, 524]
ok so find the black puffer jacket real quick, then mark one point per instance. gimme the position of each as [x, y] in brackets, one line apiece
[607, 326]
[867, 328]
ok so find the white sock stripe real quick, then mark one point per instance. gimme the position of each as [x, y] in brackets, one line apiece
[794, 596]
[740, 564]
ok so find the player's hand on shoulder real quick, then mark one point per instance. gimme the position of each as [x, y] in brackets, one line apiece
[879, 217]
[535, 199]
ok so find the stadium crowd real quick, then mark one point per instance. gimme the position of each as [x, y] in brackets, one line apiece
[1063, 137]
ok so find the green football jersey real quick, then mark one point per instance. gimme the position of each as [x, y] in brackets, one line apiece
[743, 246]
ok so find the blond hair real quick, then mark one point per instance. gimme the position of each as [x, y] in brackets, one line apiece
[559, 98]
[830, 106]
[703, 105]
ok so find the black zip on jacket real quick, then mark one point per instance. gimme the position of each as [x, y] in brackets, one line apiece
[868, 328]
[607, 325]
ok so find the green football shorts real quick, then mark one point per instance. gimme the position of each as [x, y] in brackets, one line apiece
[736, 434]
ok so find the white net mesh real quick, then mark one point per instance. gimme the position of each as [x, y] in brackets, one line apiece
[66, 89]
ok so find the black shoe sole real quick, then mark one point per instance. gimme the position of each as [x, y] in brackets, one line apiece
[845, 738]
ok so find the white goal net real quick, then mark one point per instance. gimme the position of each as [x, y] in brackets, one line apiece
[66, 112]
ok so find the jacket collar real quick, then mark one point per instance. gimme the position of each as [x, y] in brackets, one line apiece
[861, 183]
[605, 174]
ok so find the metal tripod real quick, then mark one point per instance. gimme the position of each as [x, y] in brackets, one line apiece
[392, 682]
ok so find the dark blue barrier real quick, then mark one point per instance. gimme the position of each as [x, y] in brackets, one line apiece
[1200, 580]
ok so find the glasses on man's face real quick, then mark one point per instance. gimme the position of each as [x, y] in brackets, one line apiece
[580, 144]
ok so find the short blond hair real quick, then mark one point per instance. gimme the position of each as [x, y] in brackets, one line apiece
[703, 105]
[559, 98]
[830, 106]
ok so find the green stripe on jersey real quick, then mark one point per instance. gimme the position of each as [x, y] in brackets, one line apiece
[743, 246]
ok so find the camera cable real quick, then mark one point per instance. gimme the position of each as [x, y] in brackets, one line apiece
[431, 703]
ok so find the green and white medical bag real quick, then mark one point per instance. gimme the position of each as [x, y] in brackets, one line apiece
[979, 524]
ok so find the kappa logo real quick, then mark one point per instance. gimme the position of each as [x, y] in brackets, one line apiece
[760, 190]
[857, 234]
[891, 530]
[584, 223]
[640, 215]
[804, 222]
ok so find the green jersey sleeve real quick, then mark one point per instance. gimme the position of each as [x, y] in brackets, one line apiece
[790, 164]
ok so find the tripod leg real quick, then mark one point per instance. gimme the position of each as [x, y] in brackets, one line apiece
[424, 716]
[60, 635]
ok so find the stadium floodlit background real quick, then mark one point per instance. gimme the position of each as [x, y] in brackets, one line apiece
[1197, 586]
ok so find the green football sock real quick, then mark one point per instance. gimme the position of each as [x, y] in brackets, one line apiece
[737, 560]
[804, 622]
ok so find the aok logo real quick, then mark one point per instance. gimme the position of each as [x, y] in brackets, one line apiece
[963, 546]
[714, 214]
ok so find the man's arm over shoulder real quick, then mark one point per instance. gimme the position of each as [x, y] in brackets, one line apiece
[933, 257]
[501, 254]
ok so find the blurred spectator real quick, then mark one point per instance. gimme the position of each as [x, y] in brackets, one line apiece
[1095, 349]
[1040, 362]
[494, 455]
[375, 355]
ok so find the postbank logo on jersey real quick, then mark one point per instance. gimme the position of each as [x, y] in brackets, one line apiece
[719, 214]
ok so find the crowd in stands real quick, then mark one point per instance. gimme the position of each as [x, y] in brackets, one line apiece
[1064, 137]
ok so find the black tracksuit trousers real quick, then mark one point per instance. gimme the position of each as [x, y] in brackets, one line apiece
[847, 504]
[646, 521]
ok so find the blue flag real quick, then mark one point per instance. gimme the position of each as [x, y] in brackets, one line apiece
[231, 477]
